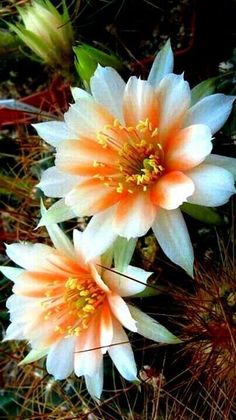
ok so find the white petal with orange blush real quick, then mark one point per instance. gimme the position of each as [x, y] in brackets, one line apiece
[88, 355]
[188, 148]
[139, 102]
[84, 157]
[107, 88]
[87, 117]
[106, 328]
[171, 190]
[91, 197]
[172, 235]
[174, 98]
[213, 185]
[134, 215]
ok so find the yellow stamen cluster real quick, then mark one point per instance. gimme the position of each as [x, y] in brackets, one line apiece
[75, 306]
[140, 156]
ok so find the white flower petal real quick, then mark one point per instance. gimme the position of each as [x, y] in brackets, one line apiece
[213, 185]
[149, 328]
[10, 273]
[162, 65]
[78, 93]
[213, 110]
[29, 256]
[17, 305]
[94, 383]
[98, 235]
[122, 354]
[225, 162]
[125, 286]
[15, 331]
[121, 312]
[55, 183]
[53, 132]
[60, 359]
[107, 88]
[171, 232]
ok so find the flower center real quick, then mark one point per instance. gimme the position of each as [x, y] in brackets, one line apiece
[75, 306]
[140, 155]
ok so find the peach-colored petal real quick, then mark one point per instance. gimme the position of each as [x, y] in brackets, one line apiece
[106, 327]
[172, 190]
[90, 197]
[88, 355]
[134, 215]
[140, 103]
[39, 284]
[85, 157]
[188, 148]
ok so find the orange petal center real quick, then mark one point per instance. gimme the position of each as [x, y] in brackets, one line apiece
[75, 306]
[140, 156]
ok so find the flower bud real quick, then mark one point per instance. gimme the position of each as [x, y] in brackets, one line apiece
[46, 32]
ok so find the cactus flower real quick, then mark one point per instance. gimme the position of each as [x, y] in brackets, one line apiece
[74, 312]
[130, 154]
